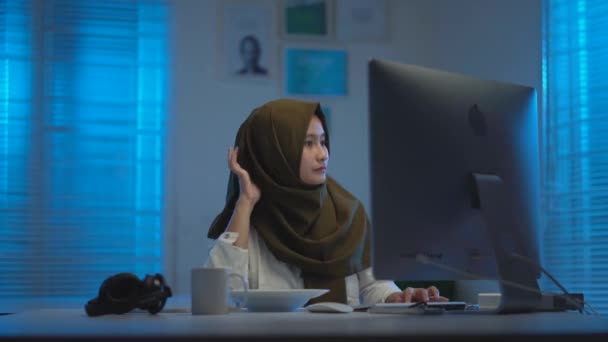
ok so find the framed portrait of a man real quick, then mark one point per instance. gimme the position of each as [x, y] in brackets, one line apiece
[248, 40]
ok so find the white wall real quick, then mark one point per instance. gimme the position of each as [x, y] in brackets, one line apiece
[494, 39]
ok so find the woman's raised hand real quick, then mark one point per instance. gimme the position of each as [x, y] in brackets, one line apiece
[250, 192]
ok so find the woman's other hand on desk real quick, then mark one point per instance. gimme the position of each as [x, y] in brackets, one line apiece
[410, 294]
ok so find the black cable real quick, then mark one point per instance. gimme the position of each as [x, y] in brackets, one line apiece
[561, 287]
[581, 308]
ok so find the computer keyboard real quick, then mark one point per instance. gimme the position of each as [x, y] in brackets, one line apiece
[448, 306]
[418, 307]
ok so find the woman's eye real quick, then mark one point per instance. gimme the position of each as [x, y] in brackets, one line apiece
[309, 143]
[322, 142]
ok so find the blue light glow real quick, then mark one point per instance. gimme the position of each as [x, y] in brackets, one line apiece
[81, 175]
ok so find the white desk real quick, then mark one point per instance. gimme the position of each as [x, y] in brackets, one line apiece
[73, 323]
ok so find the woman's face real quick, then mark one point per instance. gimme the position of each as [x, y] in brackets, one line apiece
[315, 155]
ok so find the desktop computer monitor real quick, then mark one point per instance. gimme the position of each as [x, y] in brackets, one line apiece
[454, 166]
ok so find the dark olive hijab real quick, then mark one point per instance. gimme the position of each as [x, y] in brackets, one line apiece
[322, 229]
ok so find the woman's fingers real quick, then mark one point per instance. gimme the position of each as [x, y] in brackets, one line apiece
[231, 158]
[434, 295]
[433, 291]
[430, 294]
[421, 295]
[439, 299]
[233, 164]
[415, 295]
[233, 154]
[408, 294]
[435, 299]
[247, 188]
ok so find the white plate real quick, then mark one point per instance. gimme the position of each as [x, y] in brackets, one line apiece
[276, 300]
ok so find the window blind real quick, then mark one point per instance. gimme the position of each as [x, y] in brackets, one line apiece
[15, 142]
[575, 180]
[93, 204]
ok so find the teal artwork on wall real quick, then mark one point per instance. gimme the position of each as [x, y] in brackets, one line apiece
[315, 72]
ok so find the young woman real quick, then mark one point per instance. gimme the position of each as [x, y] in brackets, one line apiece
[286, 223]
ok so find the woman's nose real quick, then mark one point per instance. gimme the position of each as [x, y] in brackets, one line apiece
[322, 154]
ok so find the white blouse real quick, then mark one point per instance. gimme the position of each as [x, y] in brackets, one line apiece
[262, 270]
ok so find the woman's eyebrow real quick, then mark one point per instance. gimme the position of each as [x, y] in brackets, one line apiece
[315, 135]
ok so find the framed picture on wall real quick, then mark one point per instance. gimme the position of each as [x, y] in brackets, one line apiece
[314, 72]
[361, 20]
[248, 42]
[307, 19]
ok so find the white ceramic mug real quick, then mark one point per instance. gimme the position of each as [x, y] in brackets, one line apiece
[210, 290]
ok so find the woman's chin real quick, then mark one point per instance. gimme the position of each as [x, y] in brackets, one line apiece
[318, 180]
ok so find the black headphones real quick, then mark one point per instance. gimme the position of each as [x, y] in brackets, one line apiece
[124, 292]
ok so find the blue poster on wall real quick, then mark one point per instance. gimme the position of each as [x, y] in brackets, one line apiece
[315, 72]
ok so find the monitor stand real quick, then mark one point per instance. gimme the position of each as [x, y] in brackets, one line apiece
[517, 278]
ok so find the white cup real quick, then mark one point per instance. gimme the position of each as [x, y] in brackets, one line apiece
[210, 290]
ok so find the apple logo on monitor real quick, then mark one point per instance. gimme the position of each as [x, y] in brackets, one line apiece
[477, 120]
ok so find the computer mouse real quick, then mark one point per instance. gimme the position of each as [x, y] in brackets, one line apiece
[329, 307]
